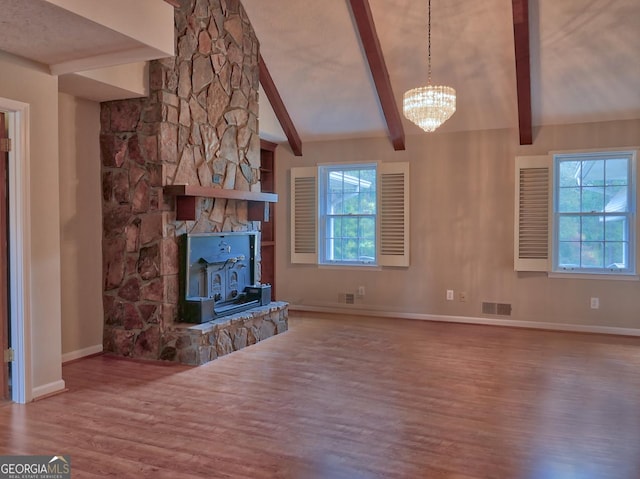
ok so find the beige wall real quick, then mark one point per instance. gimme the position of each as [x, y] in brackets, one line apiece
[462, 210]
[80, 225]
[29, 83]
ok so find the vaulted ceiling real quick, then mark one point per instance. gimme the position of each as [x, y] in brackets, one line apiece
[583, 60]
[583, 57]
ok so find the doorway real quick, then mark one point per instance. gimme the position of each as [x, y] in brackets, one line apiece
[5, 324]
[15, 259]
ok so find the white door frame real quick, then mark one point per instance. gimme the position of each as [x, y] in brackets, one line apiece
[19, 249]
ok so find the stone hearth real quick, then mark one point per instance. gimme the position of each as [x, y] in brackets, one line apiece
[199, 344]
[199, 126]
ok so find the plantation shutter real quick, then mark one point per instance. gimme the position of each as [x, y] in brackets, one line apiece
[393, 213]
[304, 215]
[532, 212]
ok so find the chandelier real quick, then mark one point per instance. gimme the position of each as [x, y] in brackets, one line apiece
[431, 105]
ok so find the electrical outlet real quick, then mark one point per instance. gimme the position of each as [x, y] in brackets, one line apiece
[595, 303]
[449, 295]
[361, 291]
[462, 296]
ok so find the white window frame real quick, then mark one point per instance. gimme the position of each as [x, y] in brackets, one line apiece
[323, 172]
[558, 158]
[531, 252]
[392, 216]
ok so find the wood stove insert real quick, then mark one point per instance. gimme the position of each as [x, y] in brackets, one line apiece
[218, 275]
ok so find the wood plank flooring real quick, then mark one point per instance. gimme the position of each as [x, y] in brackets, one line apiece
[349, 398]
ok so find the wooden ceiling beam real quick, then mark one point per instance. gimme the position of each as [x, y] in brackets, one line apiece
[279, 109]
[371, 45]
[173, 3]
[523, 68]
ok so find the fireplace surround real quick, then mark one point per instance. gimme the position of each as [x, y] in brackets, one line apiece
[198, 127]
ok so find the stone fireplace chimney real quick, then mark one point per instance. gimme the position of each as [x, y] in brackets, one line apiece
[199, 126]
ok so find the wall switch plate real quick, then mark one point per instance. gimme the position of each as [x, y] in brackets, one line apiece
[595, 303]
[449, 295]
[361, 291]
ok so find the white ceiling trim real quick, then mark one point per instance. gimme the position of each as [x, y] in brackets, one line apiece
[107, 60]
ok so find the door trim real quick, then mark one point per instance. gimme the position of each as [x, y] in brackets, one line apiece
[19, 249]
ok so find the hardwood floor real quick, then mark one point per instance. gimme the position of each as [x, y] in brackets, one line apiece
[348, 398]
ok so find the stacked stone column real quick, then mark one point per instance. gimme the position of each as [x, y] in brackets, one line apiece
[198, 126]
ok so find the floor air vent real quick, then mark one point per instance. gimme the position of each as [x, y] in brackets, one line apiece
[500, 309]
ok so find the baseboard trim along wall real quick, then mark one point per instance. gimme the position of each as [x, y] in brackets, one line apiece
[512, 323]
[81, 353]
[48, 389]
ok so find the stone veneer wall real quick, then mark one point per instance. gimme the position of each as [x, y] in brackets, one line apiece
[198, 126]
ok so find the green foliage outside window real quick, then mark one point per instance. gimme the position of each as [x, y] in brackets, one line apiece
[592, 208]
[350, 214]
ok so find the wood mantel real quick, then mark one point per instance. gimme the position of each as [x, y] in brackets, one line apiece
[186, 196]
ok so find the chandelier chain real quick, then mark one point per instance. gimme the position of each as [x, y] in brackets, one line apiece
[429, 44]
[429, 106]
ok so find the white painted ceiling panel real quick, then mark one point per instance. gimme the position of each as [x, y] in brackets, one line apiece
[584, 58]
[314, 56]
[269, 125]
[42, 32]
[77, 35]
[471, 51]
[584, 61]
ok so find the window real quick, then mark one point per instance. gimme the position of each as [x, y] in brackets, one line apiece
[350, 214]
[594, 214]
[576, 213]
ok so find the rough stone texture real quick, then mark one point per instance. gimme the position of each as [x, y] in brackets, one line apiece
[198, 126]
[113, 262]
[149, 262]
[199, 344]
[132, 319]
[125, 115]
[147, 343]
[130, 290]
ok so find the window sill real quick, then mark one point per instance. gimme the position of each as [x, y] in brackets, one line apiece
[354, 267]
[592, 276]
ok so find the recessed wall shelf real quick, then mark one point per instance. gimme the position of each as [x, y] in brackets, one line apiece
[186, 196]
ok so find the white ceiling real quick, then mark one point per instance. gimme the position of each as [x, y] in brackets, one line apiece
[584, 56]
[584, 62]
[88, 36]
[55, 35]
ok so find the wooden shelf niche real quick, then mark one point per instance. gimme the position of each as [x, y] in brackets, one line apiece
[186, 196]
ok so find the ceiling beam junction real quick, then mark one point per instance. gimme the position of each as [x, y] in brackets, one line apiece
[371, 45]
[279, 108]
[523, 68]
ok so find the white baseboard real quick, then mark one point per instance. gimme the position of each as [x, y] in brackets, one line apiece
[48, 389]
[512, 323]
[81, 353]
